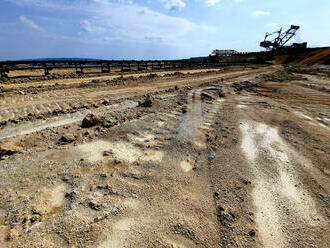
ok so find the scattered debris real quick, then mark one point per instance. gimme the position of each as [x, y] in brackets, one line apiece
[245, 85]
[9, 149]
[111, 185]
[147, 103]
[109, 121]
[67, 138]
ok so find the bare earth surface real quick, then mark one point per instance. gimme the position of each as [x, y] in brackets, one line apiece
[233, 157]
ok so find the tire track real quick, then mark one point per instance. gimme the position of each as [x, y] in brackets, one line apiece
[277, 191]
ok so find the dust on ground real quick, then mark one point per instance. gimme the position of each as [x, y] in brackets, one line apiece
[229, 158]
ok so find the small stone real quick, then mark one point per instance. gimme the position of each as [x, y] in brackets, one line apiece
[109, 122]
[114, 211]
[221, 94]
[67, 138]
[107, 153]
[9, 149]
[252, 233]
[210, 157]
[72, 206]
[71, 195]
[147, 103]
[246, 182]
[5, 157]
[115, 161]
[94, 205]
[100, 218]
[90, 120]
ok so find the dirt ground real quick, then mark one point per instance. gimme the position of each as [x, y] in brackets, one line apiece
[232, 157]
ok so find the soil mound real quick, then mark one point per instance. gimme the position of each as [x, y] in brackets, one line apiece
[308, 57]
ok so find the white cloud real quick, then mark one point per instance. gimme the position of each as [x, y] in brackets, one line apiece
[26, 21]
[141, 24]
[174, 4]
[87, 26]
[126, 21]
[211, 2]
[260, 13]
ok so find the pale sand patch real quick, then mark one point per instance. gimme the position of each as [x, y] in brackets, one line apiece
[248, 144]
[143, 138]
[303, 116]
[267, 216]
[124, 229]
[313, 121]
[266, 152]
[57, 195]
[303, 203]
[160, 123]
[241, 106]
[185, 166]
[50, 200]
[123, 151]
[39, 125]
[153, 155]
[3, 233]
[119, 233]
[322, 125]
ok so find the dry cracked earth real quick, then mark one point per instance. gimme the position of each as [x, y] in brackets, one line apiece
[232, 157]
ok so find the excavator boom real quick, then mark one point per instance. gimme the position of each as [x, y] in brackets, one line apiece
[280, 40]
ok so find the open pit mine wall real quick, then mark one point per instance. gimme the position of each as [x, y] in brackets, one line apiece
[307, 56]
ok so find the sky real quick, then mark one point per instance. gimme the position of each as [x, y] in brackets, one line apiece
[158, 29]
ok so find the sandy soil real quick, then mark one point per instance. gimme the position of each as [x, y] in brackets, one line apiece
[230, 158]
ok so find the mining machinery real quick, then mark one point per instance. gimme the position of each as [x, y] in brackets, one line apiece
[281, 39]
[223, 53]
[220, 55]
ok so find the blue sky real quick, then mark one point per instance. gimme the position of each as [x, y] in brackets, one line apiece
[145, 29]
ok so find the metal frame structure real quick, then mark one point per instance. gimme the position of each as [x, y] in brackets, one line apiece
[281, 39]
[105, 66]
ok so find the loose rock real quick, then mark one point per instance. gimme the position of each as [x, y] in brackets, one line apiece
[67, 138]
[109, 122]
[9, 149]
[90, 120]
[147, 102]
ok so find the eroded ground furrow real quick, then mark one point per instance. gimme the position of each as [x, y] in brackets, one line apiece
[23, 105]
[279, 195]
[143, 179]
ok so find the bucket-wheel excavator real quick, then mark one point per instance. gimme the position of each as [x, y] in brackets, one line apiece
[281, 39]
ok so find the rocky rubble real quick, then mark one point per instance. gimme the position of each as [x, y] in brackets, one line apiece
[147, 103]
[8, 149]
[91, 120]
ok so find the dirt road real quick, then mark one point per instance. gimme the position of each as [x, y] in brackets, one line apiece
[214, 159]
